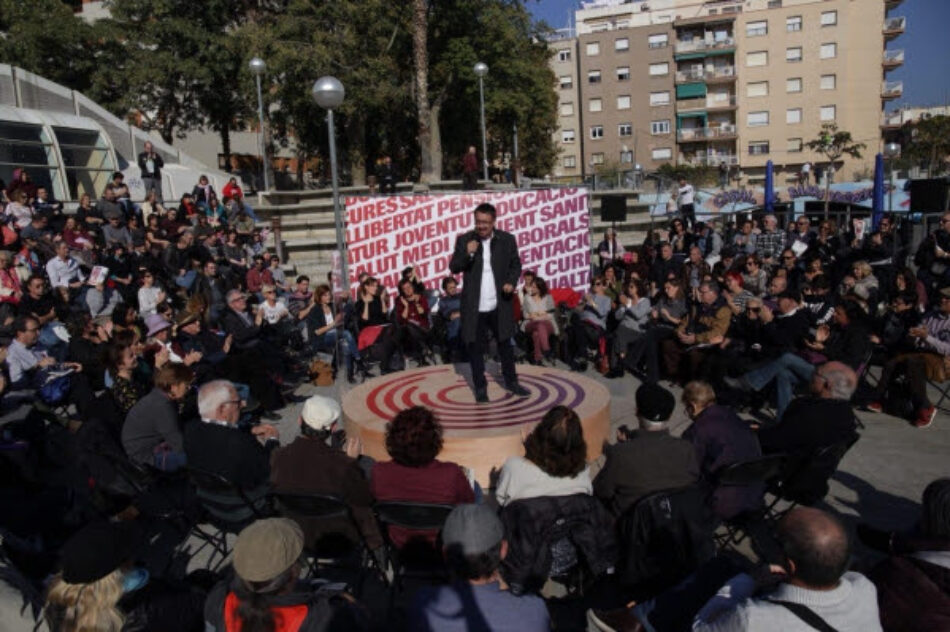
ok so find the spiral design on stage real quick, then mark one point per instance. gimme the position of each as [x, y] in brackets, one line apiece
[449, 396]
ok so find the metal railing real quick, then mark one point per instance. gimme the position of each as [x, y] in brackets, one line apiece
[892, 89]
[894, 119]
[705, 73]
[709, 160]
[895, 25]
[705, 133]
[893, 57]
[705, 103]
[695, 45]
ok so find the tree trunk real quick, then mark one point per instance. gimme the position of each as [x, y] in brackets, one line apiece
[356, 149]
[429, 169]
[435, 142]
[226, 145]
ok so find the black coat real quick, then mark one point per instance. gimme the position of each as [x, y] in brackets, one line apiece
[506, 267]
[532, 525]
[645, 463]
[230, 452]
[245, 336]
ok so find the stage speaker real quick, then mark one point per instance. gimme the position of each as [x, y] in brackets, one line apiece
[929, 196]
[613, 208]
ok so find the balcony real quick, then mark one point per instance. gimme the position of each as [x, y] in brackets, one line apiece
[894, 27]
[892, 89]
[701, 134]
[709, 75]
[708, 160]
[727, 103]
[892, 120]
[893, 59]
[703, 45]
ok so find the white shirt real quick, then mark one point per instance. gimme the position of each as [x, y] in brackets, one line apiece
[21, 359]
[520, 478]
[273, 313]
[488, 296]
[62, 273]
[686, 194]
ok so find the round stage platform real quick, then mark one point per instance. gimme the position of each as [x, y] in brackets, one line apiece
[477, 436]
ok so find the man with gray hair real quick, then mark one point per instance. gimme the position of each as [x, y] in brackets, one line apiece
[216, 444]
[818, 420]
[648, 459]
[770, 243]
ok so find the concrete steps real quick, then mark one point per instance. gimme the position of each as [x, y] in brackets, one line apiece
[308, 230]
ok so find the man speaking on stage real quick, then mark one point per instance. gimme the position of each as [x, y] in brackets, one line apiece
[489, 258]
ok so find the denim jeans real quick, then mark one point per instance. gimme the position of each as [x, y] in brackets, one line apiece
[787, 371]
[328, 341]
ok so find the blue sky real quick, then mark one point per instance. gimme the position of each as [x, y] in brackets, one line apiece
[926, 44]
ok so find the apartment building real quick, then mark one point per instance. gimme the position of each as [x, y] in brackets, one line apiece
[724, 82]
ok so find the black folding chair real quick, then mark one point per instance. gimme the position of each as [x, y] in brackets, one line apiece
[806, 476]
[759, 471]
[227, 508]
[411, 561]
[315, 507]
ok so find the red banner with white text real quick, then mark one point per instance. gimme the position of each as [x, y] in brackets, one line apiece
[387, 234]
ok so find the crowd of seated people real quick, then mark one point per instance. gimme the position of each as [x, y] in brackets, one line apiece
[545, 515]
[193, 335]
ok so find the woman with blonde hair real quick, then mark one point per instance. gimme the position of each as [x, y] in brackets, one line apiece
[100, 589]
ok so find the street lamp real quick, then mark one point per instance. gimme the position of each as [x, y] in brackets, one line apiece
[891, 151]
[258, 67]
[328, 92]
[481, 69]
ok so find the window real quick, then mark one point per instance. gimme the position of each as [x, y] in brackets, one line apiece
[663, 153]
[597, 159]
[621, 43]
[793, 84]
[659, 69]
[660, 98]
[757, 29]
[660, 127]
[593, 48]
[758, 58]
[623, 73]
[793, 54]
[829, 51]
[570, 162]
[626, 156]
[85, 157]
[757, 119]
[793, 23]
[829, 18]
[595, 105]
[793, 116]
[566, 82]
[794, 146]
[564, 54]
[758, 147]
[596, 131]
[593, 76]
[660, 40]
[567, 109]
[828, 112]
[829, 82]
[567, 136]
[758, 89]
[625, 129]
[623, 102]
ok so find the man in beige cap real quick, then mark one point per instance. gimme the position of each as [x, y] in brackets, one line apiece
[311, 464]
[266, 587]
